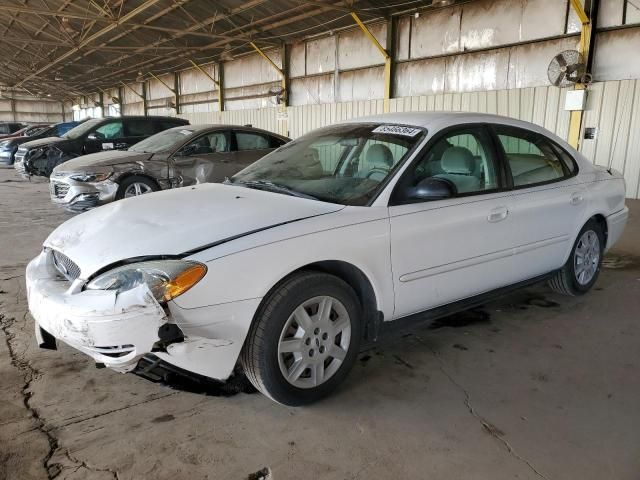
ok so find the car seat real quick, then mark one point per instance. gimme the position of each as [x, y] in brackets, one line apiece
[459, 165]
[379, 159]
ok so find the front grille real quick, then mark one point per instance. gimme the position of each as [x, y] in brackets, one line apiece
[58, 189]
[65, 266]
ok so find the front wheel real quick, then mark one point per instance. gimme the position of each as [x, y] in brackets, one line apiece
[304, 340]
[134, 186]
[581, 271]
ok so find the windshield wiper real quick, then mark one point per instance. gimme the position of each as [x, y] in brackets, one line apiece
[270, 187]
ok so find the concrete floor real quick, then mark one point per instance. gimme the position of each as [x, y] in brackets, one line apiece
[533, 386]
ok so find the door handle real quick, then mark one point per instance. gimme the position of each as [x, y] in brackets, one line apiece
[498, 214]
[576, 198]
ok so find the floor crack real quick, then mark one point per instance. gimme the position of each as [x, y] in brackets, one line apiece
[491, 429]
[29, 374]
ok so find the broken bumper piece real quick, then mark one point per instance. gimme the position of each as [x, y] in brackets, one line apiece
[117, 330]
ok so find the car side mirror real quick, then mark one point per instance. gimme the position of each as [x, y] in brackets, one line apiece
[432, 188]
[93, 137]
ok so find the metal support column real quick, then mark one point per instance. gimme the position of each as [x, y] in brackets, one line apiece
[144, 97]
[176, 88]
[388, 62]
[221, 86]
[587, 17]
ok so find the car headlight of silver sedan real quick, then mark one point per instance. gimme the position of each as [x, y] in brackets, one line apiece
[166, 279]
[90, 177]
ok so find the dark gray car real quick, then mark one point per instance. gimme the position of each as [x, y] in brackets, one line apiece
[176, 157]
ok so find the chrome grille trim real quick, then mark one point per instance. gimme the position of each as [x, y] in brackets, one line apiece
[67, 267]
[58, 189]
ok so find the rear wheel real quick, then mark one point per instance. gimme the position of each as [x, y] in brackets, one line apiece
[304, 340]
[134, 186]
[581, 271]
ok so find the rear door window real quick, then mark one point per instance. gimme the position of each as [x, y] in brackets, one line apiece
[140, 128]
[532, 158]
[251, 141]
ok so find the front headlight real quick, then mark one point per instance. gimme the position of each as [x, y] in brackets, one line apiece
[36, 152]
[166, 279]
[5, 145]
[91, 177]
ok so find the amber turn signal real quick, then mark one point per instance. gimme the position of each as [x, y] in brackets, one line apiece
[184, 281]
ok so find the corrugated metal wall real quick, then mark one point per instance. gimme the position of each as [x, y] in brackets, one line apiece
[613, 108]
[30, 110]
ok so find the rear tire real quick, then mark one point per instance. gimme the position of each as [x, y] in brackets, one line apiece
[304, 339]
[581, 271]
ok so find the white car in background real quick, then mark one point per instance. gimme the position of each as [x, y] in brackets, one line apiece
[329, 241]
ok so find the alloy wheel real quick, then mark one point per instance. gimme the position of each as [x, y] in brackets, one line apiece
[586, 257]
[314, 342]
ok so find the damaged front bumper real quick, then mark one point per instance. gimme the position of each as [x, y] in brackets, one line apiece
[117, 330]
[113, 329]
[78, 196]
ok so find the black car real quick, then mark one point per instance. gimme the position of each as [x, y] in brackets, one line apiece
[40, 157]
[9, 145]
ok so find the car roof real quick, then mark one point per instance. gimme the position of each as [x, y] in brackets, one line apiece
[439, 120]
[212, 126]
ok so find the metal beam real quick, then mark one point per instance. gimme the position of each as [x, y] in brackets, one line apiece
[387, 59]
[587, 19]
[163, 83]
[136, 11]
[133, 90]
[218, 83]
[283, 77]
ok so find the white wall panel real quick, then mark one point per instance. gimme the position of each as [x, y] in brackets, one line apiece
[321, 56]
[610, 13]
[617, 55]
[403, 37]
[528, 63]
[310, 90]
[477, 71]
[194, 81]
[436, 33]
[420, 77]
[251, 70]
[355, 50]
[156, 89]
[365, 84]
[297, 59]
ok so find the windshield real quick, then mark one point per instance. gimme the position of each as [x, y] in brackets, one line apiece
[343, 164]
[81, 129]
[162, 141]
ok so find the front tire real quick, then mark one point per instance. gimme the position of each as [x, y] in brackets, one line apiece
[581, 271]
[134, 186]
[304, 340]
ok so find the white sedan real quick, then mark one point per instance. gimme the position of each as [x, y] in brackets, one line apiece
[330, 241]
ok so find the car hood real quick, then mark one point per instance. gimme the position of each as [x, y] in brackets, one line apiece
[41, 142]
[175, 222]
[101, 159]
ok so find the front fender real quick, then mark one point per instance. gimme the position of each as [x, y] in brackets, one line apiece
[242, 270]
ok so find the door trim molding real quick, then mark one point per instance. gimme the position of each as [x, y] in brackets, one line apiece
[487, 257]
